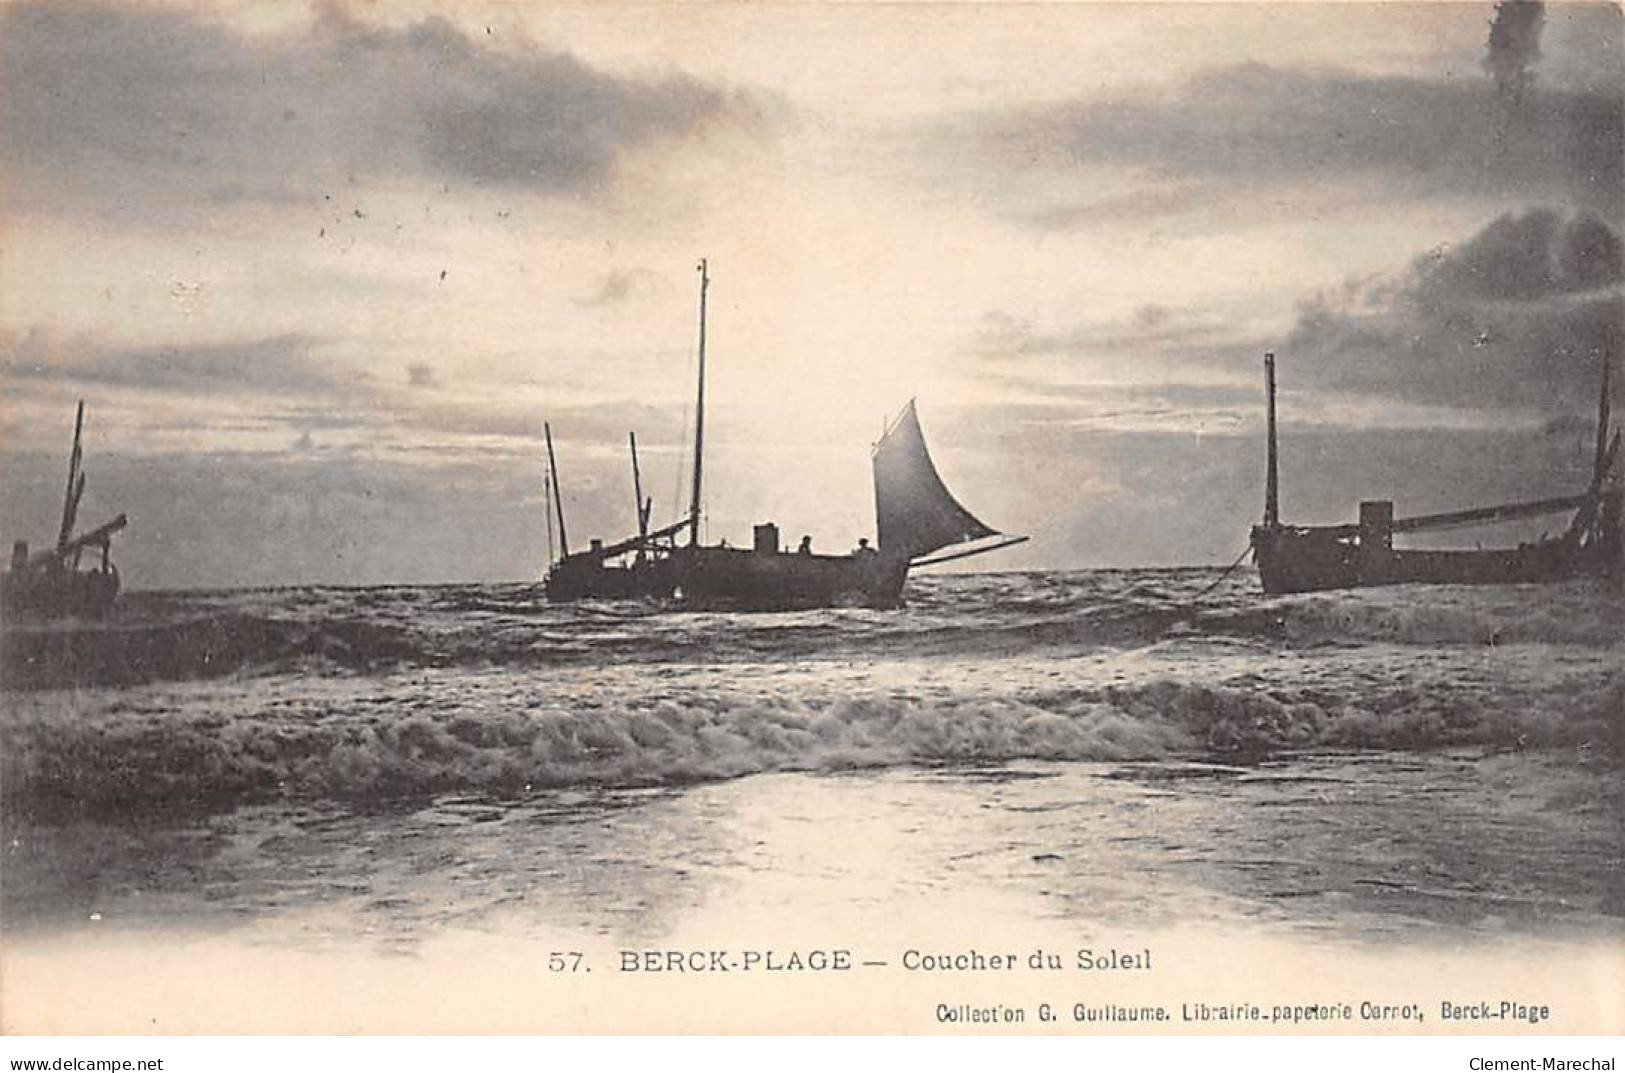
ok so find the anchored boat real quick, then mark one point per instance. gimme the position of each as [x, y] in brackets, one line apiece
[917, 518]
[1304, 558]
[50, 584]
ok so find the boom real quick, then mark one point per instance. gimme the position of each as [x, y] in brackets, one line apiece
[609, 551]
[1485, 515]
[97, 537]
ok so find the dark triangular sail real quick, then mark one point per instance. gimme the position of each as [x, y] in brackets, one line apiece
[915, 514]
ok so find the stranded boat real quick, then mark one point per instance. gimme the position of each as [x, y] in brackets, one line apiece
[1305, 558]
[916, 519]
[49, 584]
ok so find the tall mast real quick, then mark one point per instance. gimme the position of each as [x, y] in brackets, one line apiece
[637, 488]
[76, 482]
[699, 419]
[558, 498]
[547, 511]
[1272, 512]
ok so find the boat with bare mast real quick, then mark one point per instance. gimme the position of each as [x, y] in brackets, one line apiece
[917, 518]
[49, 584]
[1305, 558]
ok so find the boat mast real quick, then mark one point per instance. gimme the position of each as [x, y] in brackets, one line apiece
[643, 507]
[1272, 511]
[547, 512]
[558, 499]
[699, 419]
[76, 482]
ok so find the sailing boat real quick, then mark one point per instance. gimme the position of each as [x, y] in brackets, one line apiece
[1305, 558]
[916, 519]
[49, 584]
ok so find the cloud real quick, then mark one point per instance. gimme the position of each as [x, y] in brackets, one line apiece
[1070, 212]
[1507, 328]
[1152, 330]
[1580, 47]
[1519, 316]
[1538, 254]
[1236, 132]
[274, 365]
[1158, 368]
[138, 105]
[249, 395]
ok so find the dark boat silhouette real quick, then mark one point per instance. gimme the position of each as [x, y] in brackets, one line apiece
[916, 519]
[1305, 558]
[48, 585]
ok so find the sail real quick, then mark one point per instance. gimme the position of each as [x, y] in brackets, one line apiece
[914, 511]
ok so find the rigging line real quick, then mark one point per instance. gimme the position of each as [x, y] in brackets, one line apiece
[682, 452]
[690, 415]
[600, 612]
[1220, 579]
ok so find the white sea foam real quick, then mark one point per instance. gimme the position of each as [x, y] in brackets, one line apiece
[357, 738]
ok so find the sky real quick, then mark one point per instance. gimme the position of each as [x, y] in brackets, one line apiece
[320, 273]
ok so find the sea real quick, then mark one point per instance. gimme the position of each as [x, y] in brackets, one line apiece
[435, 789]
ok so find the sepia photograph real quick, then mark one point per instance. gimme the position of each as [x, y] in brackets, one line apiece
[828, 519]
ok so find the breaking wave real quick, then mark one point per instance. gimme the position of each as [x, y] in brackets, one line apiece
[403, 741]
[355, 694]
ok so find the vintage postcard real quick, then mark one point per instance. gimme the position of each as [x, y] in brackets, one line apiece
[624, 518]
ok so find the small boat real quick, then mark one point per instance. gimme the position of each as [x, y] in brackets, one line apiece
[916, 519]
[1306, 558]
[47, 585]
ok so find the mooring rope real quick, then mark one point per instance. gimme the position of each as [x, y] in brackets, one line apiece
[1220, 579]
[601, 612]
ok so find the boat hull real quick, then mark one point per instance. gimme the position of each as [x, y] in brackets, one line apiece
[718, 577]
[1308, 559]
[584, 577]
[56, 593]
[723, 578]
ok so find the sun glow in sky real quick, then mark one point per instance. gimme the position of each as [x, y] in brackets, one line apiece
[322, 272]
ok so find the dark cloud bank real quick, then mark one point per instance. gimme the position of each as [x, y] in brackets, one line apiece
[271, 365]
[130, 104]
[1263, 125]
[1250, 131]
[292, 380]
[1515, 321]
[1519, 316]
